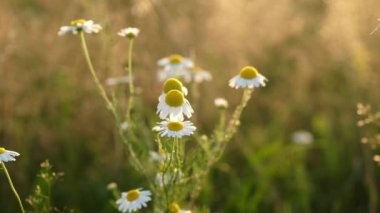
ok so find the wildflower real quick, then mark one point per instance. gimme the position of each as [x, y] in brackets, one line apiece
[129, 32]
[169, 177]
[133, 200]
[221, 103]
[176, 128]
[117, 80]
[7, 155]
[112, 186]
[175, 208]
[197, 74]
[248, 77]
[173, 66]
[169, 85]
[158, 157]
[376, 158]
[124, 125]
[80, 25]
[173, 83]
[302, 137]
[174, 104]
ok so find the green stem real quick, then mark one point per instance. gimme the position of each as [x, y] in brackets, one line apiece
[235, 120]
[93, 73]
[13, 188]
[131, 86]
[110, 106]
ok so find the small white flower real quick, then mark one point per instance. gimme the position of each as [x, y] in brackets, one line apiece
[248, 77]
[158, 157]
[175, 208]
[221, 103]
[7, 155]
[197, 74]
[174, 105]
[173, 66]
[129, 32]
[169, 177]
[117, 80]
[87, 26]
[124, 125]
[176, 128]
[133, 200]
[302, 137]
[112, 186]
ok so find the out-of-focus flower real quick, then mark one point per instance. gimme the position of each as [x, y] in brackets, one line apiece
[7, 155]
[133, 200]
[302, 137]
[112, 186]
[129, 32]
[248, 77]
[221, 103]
[88, 26]
[197, 74]
[173, 66]
[175, 208]
[169, 177]
[117, 80]
[124, 125]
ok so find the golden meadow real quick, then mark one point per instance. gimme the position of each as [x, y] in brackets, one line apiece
[320, 59]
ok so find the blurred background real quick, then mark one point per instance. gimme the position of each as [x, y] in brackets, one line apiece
[318, 55]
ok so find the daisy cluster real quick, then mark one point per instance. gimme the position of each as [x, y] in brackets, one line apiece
[173, 107]
[178, 66]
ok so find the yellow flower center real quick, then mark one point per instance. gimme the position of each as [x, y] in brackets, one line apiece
[248, 72]
[175, 59]
[174, 98]
[175, 126]
[133, 195]
[77, 22]
[174, 208]
[2, 150]
[171, 84]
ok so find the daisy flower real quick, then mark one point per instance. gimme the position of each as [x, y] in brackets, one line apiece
[176, 128]
[172, 84]
[248, 77]
[221, 103]
[7, 155]
[76, 26]
[133, 200]
[175, 208]
[129, 32]
[173, 66]
[197, 74]
[173, 104]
